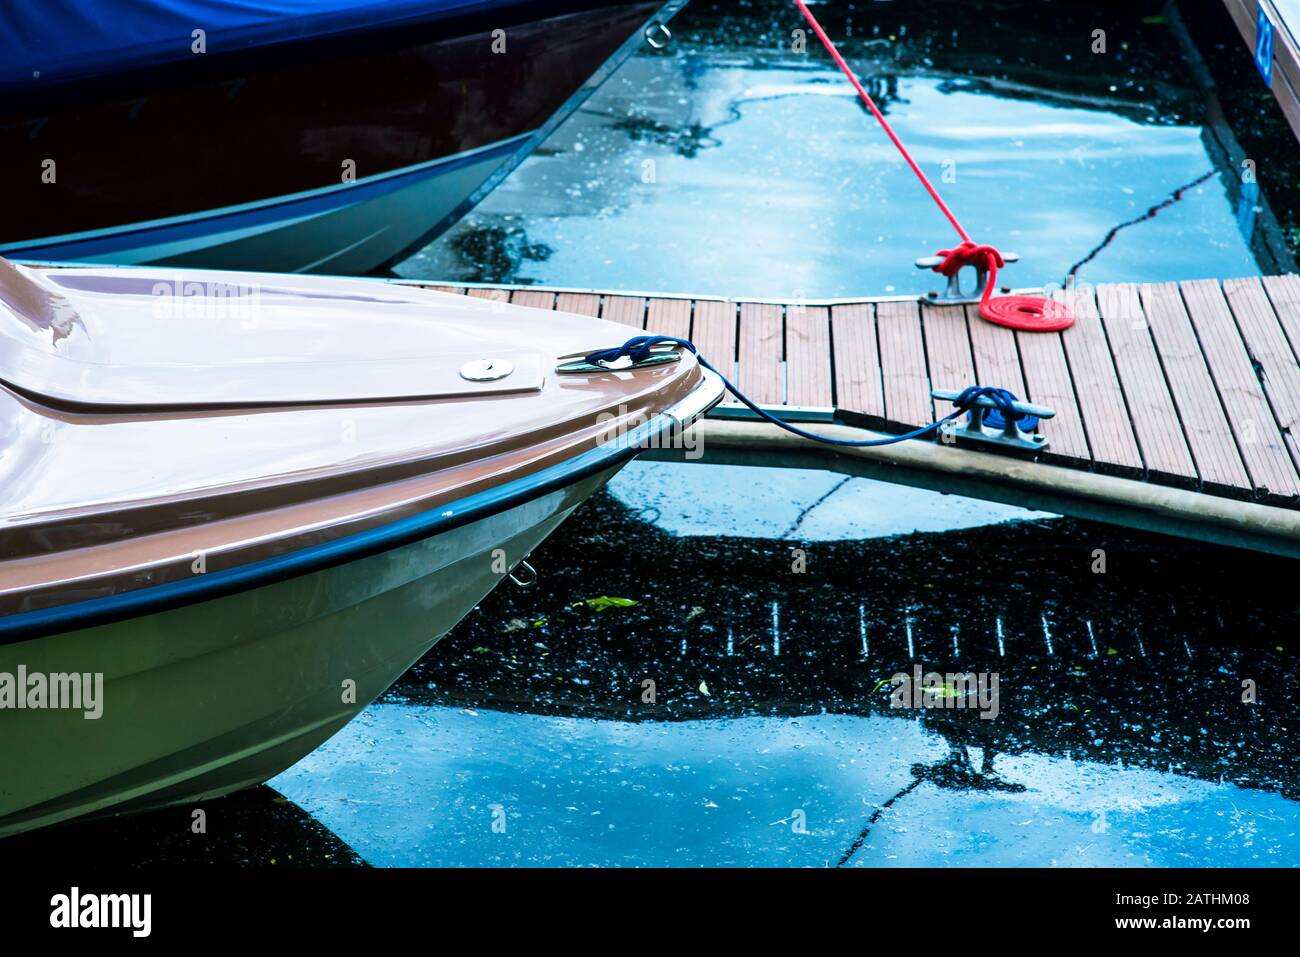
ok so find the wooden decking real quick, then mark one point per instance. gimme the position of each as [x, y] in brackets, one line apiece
[1194, 385]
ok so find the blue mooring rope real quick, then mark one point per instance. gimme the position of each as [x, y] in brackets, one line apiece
[638, 349]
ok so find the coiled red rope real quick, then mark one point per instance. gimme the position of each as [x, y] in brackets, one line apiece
[1031, 313]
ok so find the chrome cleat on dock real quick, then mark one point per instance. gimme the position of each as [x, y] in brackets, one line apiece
[953, 292]
[987, 422]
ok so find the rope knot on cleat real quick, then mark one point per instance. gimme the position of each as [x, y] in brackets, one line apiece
[1031, 313]
[968, 253]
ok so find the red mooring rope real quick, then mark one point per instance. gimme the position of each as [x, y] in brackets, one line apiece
[1031, 313]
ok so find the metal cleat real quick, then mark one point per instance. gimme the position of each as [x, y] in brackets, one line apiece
[954, 292]
[1010, 435]
[577, 364]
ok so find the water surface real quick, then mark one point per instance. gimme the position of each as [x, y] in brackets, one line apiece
[1121, 736]
[729, 164]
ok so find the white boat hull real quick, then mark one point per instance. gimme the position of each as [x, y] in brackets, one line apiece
[208, 698]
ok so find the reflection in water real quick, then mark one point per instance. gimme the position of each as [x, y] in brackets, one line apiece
[729, 164]
[1141, 664]
[810, 505]
[685, 141]
[1175, 197]
[423, 785]
[496, 252]
[1121, 737]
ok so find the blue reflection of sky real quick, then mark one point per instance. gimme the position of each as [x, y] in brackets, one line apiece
[796, 191]
[780, 503]
[418, 785]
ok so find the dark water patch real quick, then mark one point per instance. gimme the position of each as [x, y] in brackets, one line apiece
[497, 252]
[254, 828]
[1140, 665]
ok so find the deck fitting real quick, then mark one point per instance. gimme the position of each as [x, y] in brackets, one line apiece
[954, 292]
[1010, 435]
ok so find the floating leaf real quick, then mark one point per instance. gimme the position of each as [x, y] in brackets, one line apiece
[1111, 651]
[515, 624]
[605, 601]
[694, 613]
[539, 622]
[704, 689]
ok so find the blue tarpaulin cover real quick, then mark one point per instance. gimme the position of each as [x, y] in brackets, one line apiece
[43, 42]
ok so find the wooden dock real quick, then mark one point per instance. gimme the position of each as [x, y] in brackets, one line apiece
[1191, 387]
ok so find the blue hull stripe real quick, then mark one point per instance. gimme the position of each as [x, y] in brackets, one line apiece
[26, 626]
[281, 209]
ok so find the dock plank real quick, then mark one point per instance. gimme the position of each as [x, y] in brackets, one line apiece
[947, 346]
[1103, 406]
[669, 317]
[579, 303]
[713, 330]
[1150, 403]
[1284, 296]
[761, 373]
[533, 298]
[1048, 382]
[629, 310]
[948, 350]
[1205, 424]
[1271, 355]
[1258, 437]
[808, 357]
[493, 295]
[856, 360]
[902, 364]
[996, 354]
